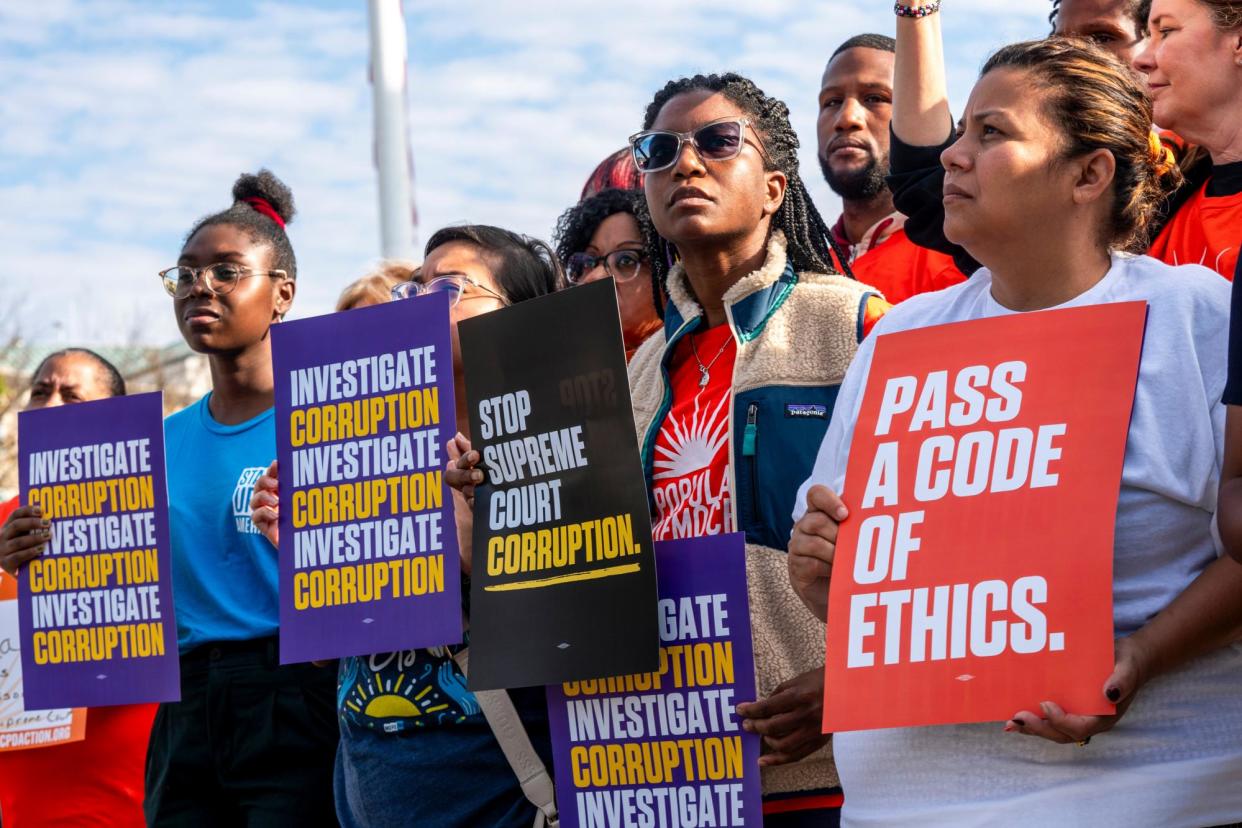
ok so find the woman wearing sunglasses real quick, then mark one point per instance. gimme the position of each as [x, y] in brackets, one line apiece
[610, 234]
[398, 765]
[733, 399]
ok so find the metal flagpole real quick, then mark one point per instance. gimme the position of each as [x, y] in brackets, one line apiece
[393, 164]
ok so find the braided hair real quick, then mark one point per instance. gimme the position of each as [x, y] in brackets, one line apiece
[578, 224]
[811, 246]
[262, 206]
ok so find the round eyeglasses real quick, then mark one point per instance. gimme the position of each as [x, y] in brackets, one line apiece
[220, 278]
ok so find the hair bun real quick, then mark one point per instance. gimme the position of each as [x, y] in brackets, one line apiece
[265, 185]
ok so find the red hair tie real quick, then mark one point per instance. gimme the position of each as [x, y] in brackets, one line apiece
[262, 205]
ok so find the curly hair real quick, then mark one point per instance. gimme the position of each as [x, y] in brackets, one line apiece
[263, 186]
[811, 246]
[578, 224]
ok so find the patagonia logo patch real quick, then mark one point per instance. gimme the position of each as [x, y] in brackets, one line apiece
[804, 411]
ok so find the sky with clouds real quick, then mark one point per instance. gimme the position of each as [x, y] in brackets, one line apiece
[122, 121]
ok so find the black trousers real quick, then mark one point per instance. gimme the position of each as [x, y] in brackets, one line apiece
[250, 743]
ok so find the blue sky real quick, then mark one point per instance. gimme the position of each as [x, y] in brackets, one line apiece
[123, 121]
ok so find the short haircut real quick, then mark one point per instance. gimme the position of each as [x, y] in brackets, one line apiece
[112, 377]
[883, 43]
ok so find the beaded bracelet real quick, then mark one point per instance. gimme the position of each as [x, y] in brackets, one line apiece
[916, 11]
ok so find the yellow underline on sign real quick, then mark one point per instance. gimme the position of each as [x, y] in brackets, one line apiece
[624, 569]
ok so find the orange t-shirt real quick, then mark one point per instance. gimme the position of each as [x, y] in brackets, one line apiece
[1207, 229]
[95, 782]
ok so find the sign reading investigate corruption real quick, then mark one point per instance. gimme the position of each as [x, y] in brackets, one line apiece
[563, 577]
[368, 545]
[96, 609]
[666, 748]
[973, 578]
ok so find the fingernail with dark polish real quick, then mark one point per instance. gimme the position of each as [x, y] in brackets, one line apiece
[1113, 694]
[45, 523]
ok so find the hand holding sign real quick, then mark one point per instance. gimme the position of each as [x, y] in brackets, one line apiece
[265, 504]
[813, 546]
[23, 538]
[1058, 726]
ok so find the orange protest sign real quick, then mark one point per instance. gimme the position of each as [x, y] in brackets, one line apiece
[973, 578]
[20, 728]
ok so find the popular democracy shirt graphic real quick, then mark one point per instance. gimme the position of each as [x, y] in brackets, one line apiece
[96, 609]
[667, 748]
[562, 530]
[364, 409]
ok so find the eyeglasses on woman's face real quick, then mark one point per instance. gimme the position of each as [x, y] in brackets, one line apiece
[621, 265]
[722, 140]
[220, 278]
[455, 285]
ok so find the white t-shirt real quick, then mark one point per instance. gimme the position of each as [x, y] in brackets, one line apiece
[1175, 759]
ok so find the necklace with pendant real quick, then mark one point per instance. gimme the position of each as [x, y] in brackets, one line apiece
[705, 374]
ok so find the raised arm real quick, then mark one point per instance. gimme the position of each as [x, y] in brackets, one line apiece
[921, 114]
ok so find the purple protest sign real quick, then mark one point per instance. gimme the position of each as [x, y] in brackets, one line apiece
[96, 609]
[368, 544]
[666, 748]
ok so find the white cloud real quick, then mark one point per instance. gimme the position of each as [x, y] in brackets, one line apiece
[122, 121]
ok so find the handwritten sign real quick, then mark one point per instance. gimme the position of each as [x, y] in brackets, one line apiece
[21, 728]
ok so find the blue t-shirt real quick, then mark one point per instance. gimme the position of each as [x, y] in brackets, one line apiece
[224, 571]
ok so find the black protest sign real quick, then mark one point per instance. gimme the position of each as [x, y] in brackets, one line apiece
[563, 583]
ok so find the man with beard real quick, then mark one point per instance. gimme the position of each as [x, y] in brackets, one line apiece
[855, 102]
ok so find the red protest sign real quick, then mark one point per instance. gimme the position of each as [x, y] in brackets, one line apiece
[973, 578]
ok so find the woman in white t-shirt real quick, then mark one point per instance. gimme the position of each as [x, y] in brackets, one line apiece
[1051, 180]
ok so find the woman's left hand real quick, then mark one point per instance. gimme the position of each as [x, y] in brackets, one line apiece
[790, 721]
[1130, 672]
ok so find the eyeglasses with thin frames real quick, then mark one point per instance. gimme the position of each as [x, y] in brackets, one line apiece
[454, 285]
[220, 278]
[622, 265]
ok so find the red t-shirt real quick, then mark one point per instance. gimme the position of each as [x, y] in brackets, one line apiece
[896, 266]
[95, 782]
[899, 268]
[1205, 231]
[690, 474]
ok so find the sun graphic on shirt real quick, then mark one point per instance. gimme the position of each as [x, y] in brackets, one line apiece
[394, 698]
[692, 444]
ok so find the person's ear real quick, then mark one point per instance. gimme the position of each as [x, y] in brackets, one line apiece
[283, 291]
[777, 184]
[1094, 173]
